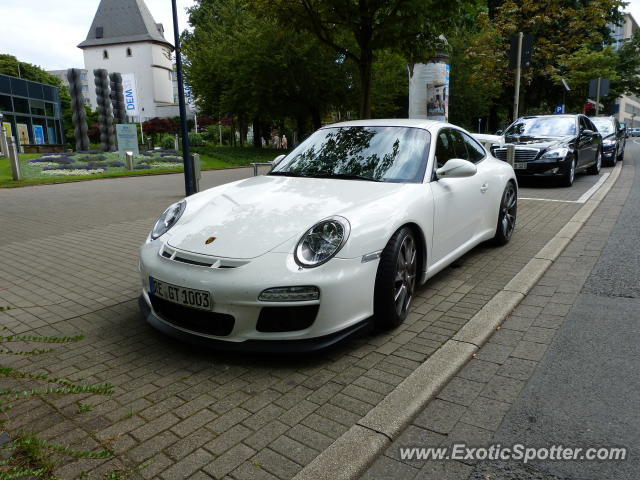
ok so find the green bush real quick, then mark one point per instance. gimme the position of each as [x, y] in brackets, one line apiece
[167, 142]
[195, 139]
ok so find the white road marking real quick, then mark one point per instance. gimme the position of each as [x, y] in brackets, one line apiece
[583, 199]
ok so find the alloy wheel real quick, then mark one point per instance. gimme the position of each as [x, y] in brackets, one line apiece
[405, 279]
[572, 171]
[509, 206]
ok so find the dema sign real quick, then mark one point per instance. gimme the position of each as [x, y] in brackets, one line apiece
[130, 92]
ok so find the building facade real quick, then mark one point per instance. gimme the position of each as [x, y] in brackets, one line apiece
[31, 111]
[84, 82]
[627, 108]
[124, 38]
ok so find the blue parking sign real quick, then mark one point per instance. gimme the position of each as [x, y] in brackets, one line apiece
[559, 109]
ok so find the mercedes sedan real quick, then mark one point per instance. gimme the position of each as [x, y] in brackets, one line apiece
[553, 146]
[337, 237]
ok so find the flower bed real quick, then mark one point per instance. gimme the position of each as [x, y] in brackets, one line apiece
[94, 163]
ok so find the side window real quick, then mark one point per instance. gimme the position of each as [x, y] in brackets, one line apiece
[591, 125]
[443, 148]
[583, 124]
[459, 148]
[475, 152]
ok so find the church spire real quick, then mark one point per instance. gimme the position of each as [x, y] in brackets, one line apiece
[123, 21]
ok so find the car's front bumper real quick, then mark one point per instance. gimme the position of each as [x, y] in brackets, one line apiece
[345, 305]
[537, 168]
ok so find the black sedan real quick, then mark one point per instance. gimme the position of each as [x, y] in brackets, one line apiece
[614, 139]
[553, 146]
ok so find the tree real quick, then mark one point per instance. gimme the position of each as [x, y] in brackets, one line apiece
[560, 29]
[357, 29]
[240, 63]
[628, 68]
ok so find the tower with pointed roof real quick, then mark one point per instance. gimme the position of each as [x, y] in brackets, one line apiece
[125, 38]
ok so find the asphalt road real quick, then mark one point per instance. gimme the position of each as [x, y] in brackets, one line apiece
[586, 392]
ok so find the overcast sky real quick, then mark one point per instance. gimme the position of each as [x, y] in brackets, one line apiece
[46, 32]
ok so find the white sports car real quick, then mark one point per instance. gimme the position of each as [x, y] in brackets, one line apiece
[336, 237]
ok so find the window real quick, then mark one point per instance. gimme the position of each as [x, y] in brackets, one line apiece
[583, 124]
[475, 152]
[450, 144]
[99, 32]
[129, 54]
[456, 144]
[5, 103]
[105, 55]
[83, 77]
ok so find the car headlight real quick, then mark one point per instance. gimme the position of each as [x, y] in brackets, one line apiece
[555, 154]
[168, 219]
[608, 143]
[322, 241]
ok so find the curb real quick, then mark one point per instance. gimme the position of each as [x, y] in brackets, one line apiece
[351, 454]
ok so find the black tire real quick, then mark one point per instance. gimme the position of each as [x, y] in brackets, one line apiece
[595, 169]
[614, 159]
[507, 215]
[396, 279]
[569, 174]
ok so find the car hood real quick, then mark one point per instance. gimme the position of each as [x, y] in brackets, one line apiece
[250, 217]
[539, 142]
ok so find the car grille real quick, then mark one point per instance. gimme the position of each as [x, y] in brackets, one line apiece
[286, 319]
[198, 260]
[522, 154]
[199, 321]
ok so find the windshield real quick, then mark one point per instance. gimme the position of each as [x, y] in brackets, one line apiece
[604, 125]
[542, 127]
[388, 154]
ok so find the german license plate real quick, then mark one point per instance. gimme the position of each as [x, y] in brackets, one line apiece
[180, 295]
[520, 166]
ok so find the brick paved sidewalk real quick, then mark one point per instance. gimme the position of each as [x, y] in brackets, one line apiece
[471, 407]
[185, 413]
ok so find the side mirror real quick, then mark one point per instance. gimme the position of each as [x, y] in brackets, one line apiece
[277, 160]
[456, 168]
[499, 132]
[586, 131]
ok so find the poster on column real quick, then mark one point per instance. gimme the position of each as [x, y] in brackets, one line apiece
[8, 129]
[23, 133]
[438, 92]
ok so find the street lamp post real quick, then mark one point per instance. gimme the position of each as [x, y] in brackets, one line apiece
[189, 180]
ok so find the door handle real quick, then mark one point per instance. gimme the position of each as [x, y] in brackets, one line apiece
[484, 187]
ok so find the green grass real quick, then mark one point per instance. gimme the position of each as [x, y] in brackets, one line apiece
[212, 158]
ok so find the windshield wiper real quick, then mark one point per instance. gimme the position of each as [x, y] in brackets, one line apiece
[286, 174]
[344, 176]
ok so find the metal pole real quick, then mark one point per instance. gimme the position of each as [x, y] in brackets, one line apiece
[189, 182]
[220, 131]
[598, 98]
[141, 132]
[511, 154]
[516, 96]
[14, 160]
[197, 170]
[4, 150]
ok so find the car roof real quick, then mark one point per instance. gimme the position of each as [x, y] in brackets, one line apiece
[392, 122]
[572, 115]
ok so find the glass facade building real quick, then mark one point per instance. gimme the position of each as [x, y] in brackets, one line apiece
[32, 111]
